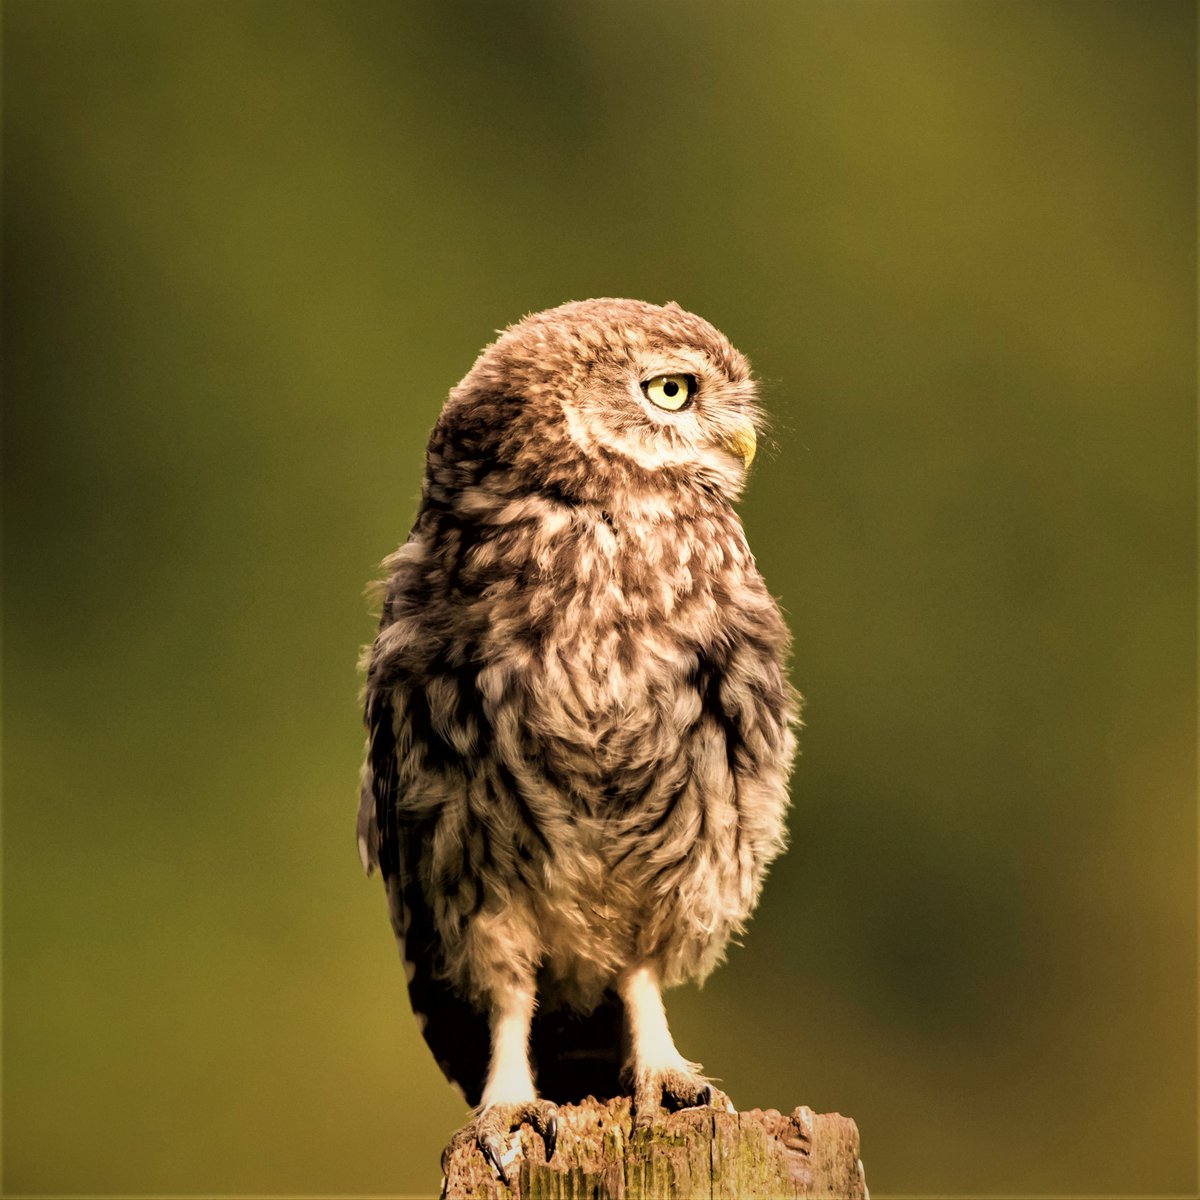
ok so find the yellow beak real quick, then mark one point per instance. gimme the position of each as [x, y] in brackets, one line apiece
[742, 441]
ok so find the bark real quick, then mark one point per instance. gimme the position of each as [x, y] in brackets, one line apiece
[696, 1152]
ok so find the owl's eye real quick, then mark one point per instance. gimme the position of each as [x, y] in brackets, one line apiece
[671, 392]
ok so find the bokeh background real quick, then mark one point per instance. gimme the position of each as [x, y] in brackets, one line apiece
[247, 249]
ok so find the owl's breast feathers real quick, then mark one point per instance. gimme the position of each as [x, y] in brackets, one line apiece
[553, 664]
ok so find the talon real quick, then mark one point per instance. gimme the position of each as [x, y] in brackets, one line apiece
[672, 1089]
[492, 1151]
[646, 1098]
[550, 1136]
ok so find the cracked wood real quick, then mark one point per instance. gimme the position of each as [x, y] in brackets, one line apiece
[697, 1152]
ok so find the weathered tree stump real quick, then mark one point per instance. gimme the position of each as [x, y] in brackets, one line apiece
[696, 1152]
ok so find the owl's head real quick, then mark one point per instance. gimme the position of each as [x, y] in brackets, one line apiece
[602, 397]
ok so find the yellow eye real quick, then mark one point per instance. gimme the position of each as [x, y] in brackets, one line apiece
[671, 392]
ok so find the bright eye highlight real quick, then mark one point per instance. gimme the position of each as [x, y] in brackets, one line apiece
[671, 392]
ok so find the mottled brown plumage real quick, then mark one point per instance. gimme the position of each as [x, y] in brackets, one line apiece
[580, 729]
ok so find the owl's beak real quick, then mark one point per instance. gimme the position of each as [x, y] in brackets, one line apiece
[742, 441]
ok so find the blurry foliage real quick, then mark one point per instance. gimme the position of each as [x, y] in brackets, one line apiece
[248, 247]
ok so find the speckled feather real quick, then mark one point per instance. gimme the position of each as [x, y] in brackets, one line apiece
[580, 728]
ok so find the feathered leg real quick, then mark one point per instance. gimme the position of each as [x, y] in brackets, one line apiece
[657, 1072]
[509, 1097]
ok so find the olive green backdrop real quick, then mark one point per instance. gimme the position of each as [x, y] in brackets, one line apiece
[249, 247]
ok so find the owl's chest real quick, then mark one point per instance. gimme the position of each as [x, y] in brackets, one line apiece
[601, 633]
[593, 585]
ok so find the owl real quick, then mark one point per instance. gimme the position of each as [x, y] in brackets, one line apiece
[580, 728]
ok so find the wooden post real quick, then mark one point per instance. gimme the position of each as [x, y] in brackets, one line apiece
[697, 1152]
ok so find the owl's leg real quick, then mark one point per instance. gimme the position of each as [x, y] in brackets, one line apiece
[657, 1072]
[509, 1097]
[510, 1077]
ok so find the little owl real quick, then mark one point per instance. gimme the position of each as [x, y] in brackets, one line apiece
[579, 725]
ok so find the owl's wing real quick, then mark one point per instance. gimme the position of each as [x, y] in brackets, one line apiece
[455, 1030]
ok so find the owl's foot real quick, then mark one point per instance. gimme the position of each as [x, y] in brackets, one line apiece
[673, 1088]
[490, 1130]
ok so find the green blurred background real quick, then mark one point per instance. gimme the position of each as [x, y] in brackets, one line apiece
[248, 248]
